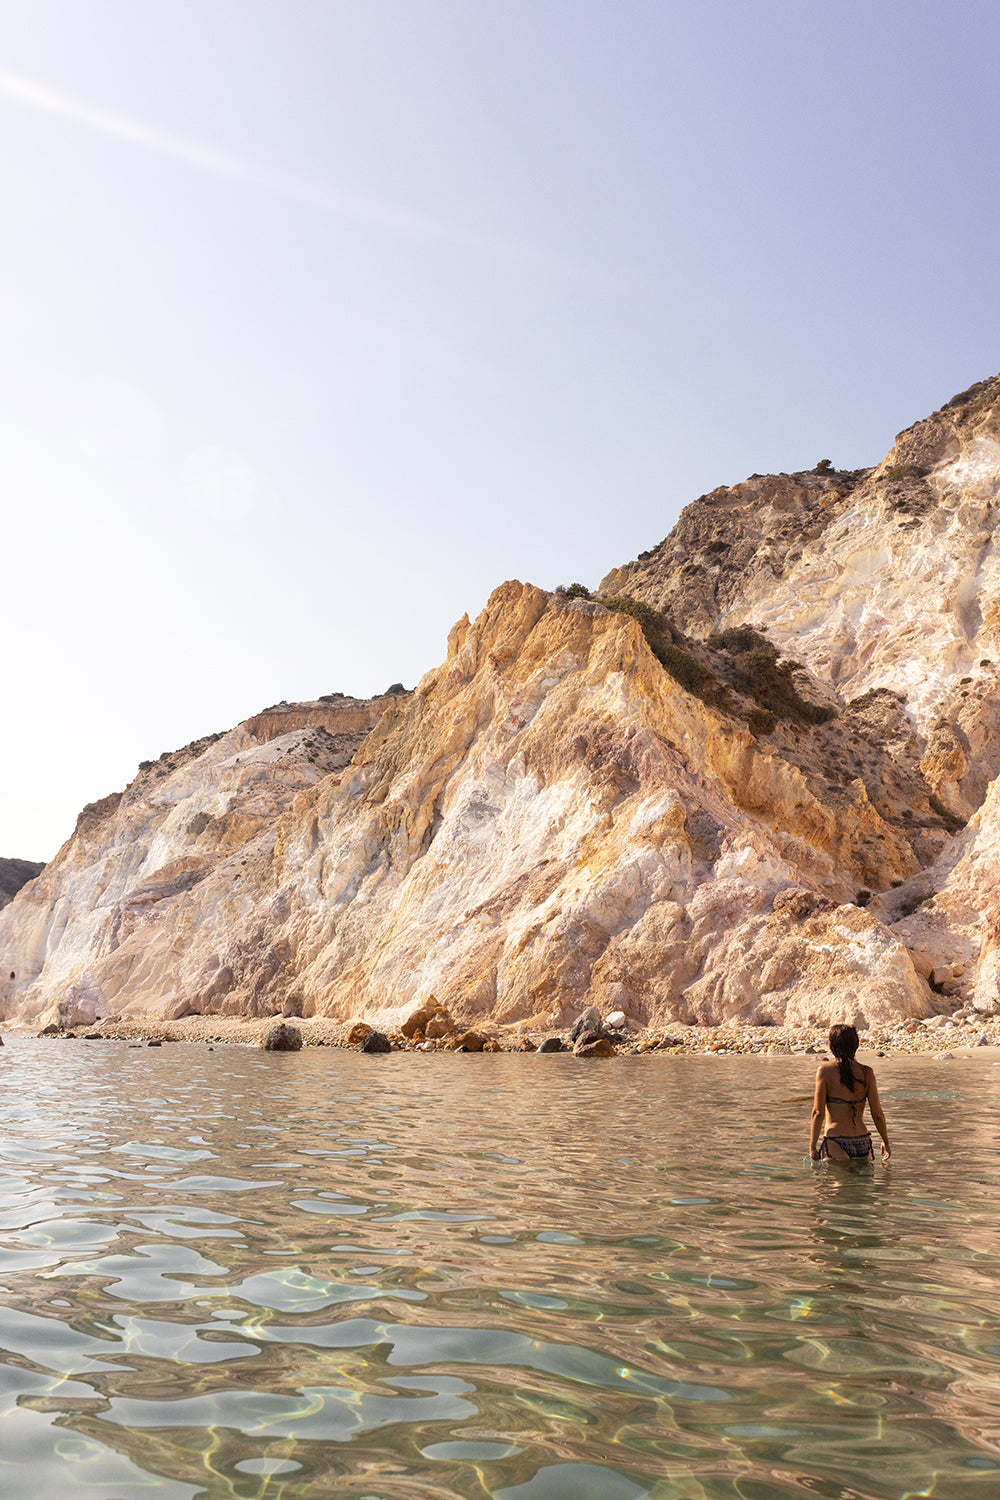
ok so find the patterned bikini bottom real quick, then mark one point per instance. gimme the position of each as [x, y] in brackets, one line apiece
[855, 1146]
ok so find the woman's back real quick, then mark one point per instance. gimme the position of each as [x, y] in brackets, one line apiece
[846, 1108]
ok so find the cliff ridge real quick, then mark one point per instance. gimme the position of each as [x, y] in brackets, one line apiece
[752, 779]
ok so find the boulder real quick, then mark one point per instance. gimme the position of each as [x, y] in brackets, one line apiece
[179, 1008]
[282, 1038]
[588, 1020]
[588, 1037]
[552, 1044]
[375, 1041]
[83, 1003]
[439, 1026]
[599, 1046]
[419, 1019]
[472, 1041]
[922, 962]
[357, 1033]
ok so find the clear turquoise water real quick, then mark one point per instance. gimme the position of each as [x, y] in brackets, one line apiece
[231, 1273]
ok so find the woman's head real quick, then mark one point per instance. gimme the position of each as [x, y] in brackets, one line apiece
[843, 1044]
[843, 1041]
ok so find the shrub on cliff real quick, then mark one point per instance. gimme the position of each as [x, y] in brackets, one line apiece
[655, 627]
[761, 674]
[954, 823]
[760, 720]
[691, 673]
[906, 471]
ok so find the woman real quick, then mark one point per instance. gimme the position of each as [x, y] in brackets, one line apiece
[843, 1088]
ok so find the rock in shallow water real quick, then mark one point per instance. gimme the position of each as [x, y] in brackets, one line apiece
[376, 1042]
[282, 1038]
[593, 1043]
[593, 1046]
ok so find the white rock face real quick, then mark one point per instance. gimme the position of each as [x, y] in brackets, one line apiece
[873, 603]
[84, 1003]
[552, 820]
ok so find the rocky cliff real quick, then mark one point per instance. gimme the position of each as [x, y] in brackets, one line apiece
[753, 779]
[14, 873]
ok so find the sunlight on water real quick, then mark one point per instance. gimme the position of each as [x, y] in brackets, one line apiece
[236, 1273]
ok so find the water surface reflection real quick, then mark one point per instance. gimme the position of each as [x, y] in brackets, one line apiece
[234, 1273]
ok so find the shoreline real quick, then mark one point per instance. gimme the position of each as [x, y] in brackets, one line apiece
[945, 1036]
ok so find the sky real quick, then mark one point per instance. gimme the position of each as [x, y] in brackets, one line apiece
[321, 319]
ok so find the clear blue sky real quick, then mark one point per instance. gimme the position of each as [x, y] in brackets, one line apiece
[320, 319]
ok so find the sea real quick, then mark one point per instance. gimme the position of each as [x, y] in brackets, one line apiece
[232, 1273]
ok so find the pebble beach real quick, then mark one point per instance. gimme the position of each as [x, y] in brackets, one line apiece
[937, 1035]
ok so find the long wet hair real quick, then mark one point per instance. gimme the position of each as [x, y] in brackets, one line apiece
[843, 1044]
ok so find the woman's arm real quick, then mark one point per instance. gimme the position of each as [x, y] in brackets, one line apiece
[818, 1115]
[878, 1115]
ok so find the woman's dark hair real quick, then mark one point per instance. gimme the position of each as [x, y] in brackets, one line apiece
[843, 1044]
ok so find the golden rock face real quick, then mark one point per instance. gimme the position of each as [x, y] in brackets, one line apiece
[552, 820]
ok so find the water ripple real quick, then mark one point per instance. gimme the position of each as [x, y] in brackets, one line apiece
[512, 1277]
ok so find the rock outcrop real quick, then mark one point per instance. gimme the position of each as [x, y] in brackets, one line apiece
[15, 873]
[635, 804]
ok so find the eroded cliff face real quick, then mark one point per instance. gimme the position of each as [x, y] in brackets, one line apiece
[140, 863]
[551, 819]
[877, 579]
[885, 584]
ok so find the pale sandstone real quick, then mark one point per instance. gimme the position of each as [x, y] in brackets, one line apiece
[551, 820]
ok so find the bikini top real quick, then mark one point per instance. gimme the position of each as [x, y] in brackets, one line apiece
[854, 1103]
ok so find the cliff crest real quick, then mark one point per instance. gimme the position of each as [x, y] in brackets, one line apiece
[754, 783]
